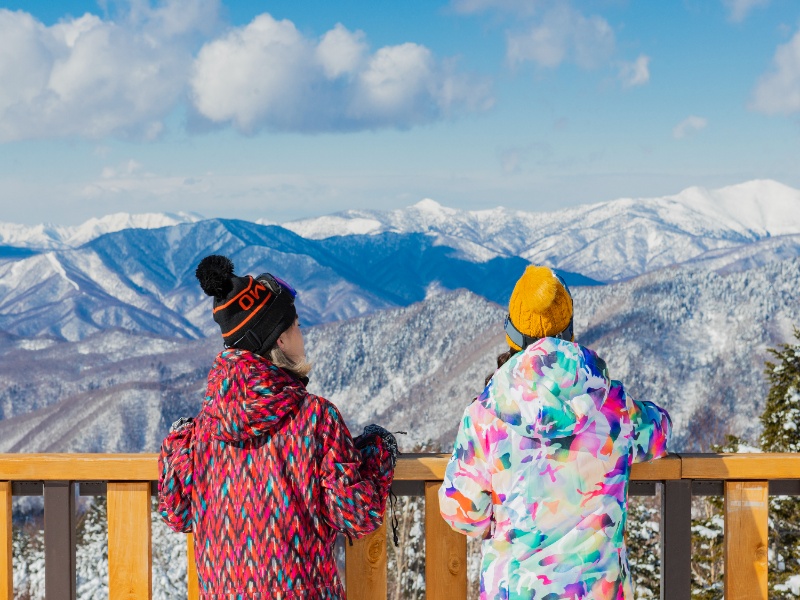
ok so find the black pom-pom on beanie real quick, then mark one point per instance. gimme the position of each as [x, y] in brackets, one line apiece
[214, 274]
[251, 313]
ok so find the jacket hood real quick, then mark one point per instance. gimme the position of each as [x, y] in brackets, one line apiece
[248, 396]
[554, 388]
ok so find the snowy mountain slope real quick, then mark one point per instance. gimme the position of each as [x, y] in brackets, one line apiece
[688, 337]
[51, 237]
[606, 241]
[114, 391]
[143, 280]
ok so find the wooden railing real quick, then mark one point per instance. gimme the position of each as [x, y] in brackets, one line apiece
[745, 480]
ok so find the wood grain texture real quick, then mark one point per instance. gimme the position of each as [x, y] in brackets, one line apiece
[667, 468]
[410, 467]
[193, 587]
[741, 466]
[445, 552]
[79, 467]
[746, 514]
[365, 566]
[129, 541]
[6, 572]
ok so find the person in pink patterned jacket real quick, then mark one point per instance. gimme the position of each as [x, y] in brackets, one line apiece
[268, 474]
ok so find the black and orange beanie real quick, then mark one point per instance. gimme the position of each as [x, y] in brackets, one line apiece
[540, 306]
[252, 312]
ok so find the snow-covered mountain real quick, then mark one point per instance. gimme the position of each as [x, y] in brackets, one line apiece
[142, 280]
[51, 237]
[691, 338]
[606, 241]
[104, 328]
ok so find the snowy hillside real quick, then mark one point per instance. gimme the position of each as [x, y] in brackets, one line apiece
[606, 241]
[51, 237]
[142, 280]
[692, 338]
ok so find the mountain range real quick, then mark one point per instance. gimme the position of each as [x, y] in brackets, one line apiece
[691, 339]
[107, 337]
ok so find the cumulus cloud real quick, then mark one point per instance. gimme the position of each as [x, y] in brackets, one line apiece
[562, 34]
[778, 91]
[90, 77]
[635, 73]
[94, 77]
[689, 126]
[269, 75]
[739, 9]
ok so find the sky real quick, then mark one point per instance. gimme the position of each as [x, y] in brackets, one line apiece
[281, 110]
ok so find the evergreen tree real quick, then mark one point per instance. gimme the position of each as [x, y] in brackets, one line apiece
[28, 565]
[642, 540]
[91, 564]
[781, 433]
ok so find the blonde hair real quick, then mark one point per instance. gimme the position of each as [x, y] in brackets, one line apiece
[299, 368]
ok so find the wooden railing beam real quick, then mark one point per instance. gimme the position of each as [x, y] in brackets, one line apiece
[365, 566]
[746, 530]
[192, 584]
[129, 541]
[445, 552]
[6, 570]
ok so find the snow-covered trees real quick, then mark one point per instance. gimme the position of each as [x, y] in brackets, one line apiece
[781, 433]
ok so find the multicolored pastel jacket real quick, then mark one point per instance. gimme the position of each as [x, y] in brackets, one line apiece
[265, 477]
[540, 471]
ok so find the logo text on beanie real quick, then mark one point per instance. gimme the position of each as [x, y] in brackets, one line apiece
[249, 296]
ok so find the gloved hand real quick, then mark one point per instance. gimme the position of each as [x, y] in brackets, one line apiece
[181, 423]
[389, 441]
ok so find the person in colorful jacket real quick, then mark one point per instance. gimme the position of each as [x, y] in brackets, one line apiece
[267, 474]
[543, 456]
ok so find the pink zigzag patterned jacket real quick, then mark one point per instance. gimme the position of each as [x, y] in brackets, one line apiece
[540, 470]
[265, 477]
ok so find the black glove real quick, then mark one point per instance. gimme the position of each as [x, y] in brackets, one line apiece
[389, 441]
[181, 423]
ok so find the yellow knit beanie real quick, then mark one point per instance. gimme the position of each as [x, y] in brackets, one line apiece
[540, 306]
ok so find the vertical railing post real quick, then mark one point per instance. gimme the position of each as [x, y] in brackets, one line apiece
[59, 540]
[6, 571]
[130, 571]
[746, 530]
[445, 552]
[193, 584]
[676, 540]
[365, 566]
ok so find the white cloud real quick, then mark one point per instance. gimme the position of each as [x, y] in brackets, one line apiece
[739, 9]
[562, 34]
[778, 92]
[92, 78]
[689, 126]
[268, 75]
[635, 73]
[341, 52]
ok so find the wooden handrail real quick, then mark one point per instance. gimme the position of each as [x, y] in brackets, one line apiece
[746, 478]
[410, 467]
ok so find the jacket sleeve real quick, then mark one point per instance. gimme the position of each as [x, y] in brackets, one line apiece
[465, 497]
[652, 430]
[175, 482]
[354, 484]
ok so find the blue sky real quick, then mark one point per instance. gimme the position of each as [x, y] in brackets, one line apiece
[281, 110]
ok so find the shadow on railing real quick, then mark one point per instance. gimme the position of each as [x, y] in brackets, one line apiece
[745, 481]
